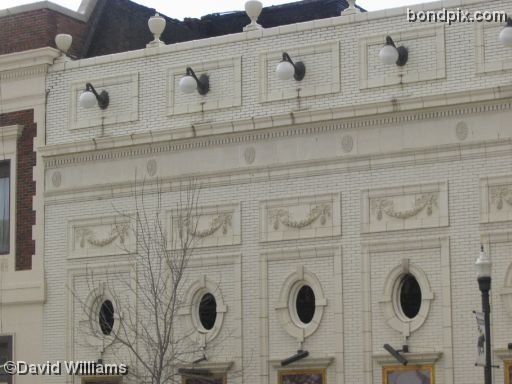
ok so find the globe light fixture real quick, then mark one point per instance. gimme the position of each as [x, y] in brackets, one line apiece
[190, 82]
[287, 69]
[505, 36]
[89, 98]
[390, 54]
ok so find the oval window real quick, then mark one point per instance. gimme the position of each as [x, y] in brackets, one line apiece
[106, 317]
[305, 304]
[410, 296]
[208, 311]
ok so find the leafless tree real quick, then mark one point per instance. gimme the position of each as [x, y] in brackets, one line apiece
[144, 330]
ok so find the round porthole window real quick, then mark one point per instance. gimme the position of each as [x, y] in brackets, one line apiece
[305, 304]
[207, 311]
[106, 317]
[409, 296]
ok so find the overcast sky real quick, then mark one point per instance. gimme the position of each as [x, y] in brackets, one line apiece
[196, 8]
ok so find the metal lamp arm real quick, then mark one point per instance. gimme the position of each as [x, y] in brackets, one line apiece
[286, 57]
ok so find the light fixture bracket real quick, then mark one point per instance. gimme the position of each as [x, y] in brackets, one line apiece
[403, 52]
[203, 82]
[102, 98]
[300, 68]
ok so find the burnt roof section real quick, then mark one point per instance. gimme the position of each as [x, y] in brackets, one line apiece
[121, 25]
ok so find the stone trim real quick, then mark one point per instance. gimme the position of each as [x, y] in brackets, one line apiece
[362, 17]
[407, 74]
[162, 141]
[207, 102]
[302, 89]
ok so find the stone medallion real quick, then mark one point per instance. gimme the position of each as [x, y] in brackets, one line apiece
[347, 143]
[461, 131]
[56, 179]
[151, 167]
[250, 155]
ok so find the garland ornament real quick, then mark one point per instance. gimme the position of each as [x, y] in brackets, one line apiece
[221, 221]
[386, 206]
[500, 195]
[284, 217]
[118, 231]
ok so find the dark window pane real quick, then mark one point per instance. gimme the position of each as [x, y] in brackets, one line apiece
[410, 376]
[208, 311]
[4, 206]
[106, 317]
[5, 355]
[302, 378]
[410, 296]
[305, 304]
[209, 380]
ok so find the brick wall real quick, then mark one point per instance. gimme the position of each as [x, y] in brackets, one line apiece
[36, 29]
[25, 186]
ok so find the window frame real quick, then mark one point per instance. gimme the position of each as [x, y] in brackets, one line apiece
[302, 371]
[414, 367]
[10, 135]
[508, 371]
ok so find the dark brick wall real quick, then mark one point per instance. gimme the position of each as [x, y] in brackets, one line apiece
[37, 29]
[25, 186]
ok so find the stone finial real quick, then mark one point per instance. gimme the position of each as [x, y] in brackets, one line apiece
[253, 9]
[63, 42]
[156, 25]
[351, 9]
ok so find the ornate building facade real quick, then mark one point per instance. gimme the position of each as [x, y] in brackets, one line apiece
[340, 209]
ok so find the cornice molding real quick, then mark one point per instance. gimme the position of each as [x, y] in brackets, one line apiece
[274, 127]
[27, 63]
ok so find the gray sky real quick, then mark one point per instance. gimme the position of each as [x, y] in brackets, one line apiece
[196, 8]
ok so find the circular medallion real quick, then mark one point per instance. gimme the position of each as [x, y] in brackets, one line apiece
[56, 179]
[151, 167]
[347, 143]
[461, 131]
[250, 155]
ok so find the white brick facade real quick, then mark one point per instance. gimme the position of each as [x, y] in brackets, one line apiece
[340, 177]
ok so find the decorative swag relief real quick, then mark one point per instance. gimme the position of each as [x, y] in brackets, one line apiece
[101, 237]
[387, 206]
[407, 207]
[496, 199]
[500, 196]
[211, 226]
[302, 217]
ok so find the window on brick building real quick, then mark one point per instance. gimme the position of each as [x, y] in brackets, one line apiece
[5, 199]
[5, 355]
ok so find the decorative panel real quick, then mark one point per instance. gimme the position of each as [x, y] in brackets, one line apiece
[496, 199]
[225, 77]
[406, 207]
[490, 55]
[123, 105]
[209, 226]
[101, 237]
[427, 59]
[322, 63]
[300, 218]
